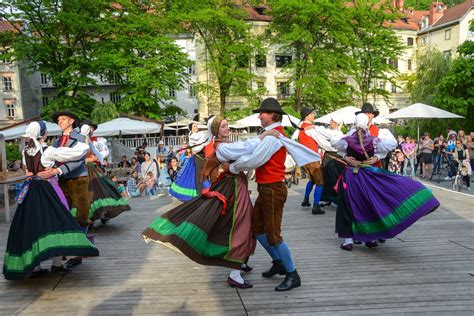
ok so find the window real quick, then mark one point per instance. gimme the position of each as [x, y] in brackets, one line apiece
[192, 69]
[409, 64]
[394, 88]
[393, 63]
[261, 61]
[423, 41]
[45, 79]
[382, 85]
[115, 97]
[260, 85]
[282, 60]
[447, 54]
[192, 90]
[7, 84]
[45, 101]
[447, 35]
[10, 107]
[410, 41]
[172, 93]
[283, 90]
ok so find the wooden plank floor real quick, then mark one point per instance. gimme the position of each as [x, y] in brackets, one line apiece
[427, 270]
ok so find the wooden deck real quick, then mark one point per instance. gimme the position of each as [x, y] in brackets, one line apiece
[429, 270]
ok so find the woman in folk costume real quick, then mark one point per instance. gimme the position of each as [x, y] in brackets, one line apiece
[214, 228]
[188, 183]
[42, 226]
[106, 200]
[367, 207]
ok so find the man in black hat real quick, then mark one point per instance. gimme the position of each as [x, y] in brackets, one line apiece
[72, 175]
[371, 113]
[314, 170]
[268, 209]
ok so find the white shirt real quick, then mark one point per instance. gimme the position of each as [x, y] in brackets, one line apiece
[266, 148]
[323, 136]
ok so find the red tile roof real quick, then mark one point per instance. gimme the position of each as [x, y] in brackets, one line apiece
[6, 26]
[253, 15]
[455, 13]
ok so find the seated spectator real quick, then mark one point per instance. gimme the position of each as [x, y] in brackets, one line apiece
[161, 151]
[135, 187]
[124, 163]
[120, 187]
[135, 164]
[150, 183]
[140, 152]
[149, 165]
[173, 169]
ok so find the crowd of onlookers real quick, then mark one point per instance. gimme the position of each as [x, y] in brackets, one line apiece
[152, 174]
[428, 156]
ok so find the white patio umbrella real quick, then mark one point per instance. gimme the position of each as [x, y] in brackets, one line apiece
[254, 121]
[419, 111]
[183, 122]
[19, 130]
[127, 126]
[347, 114]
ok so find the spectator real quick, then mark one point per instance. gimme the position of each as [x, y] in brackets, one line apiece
[470, 148]
[140, 152]
[401, 141]
[161, 151]
[173, 169]
[418, 155]
[450, 150]
[150, 183]
[409, 152]
[120, 187]
[438, 153]
[426, 156]
[124, 163]
[170, 155]
[134, 186]
[136, 165]
[149, 165]
[394, 164]
[462, 136]
[461, 156]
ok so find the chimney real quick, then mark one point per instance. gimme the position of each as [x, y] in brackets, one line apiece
[436, 12]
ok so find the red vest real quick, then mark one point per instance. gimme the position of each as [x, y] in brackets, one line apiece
[274, 169]
[374, 130]
[306, 140]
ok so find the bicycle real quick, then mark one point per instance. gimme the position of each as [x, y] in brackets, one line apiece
[458, 180]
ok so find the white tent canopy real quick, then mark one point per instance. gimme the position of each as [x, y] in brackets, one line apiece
[420, 110]
[347, 114]
[254, 121]
[127, 126]
[183, 122]
[19, 130]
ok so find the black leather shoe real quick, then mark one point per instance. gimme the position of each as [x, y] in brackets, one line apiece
[324, 204]
[317, 210]
[59, 269]
[277, 268]
[39, 273]
[371, 244]
[291, 281]
[71, 263]
[233, 283]
[306, 202]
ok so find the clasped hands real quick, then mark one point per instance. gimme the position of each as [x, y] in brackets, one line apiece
[48, 173]
[271, 132]
[356, 163]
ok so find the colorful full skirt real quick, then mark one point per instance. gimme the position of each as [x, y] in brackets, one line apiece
[42, 228]
[208, 230]
[187, 184]
[384, 204]
[106, 200]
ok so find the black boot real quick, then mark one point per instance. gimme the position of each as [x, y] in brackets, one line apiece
[305, 202]
[291, 281]
[317, 210]
[277, 268]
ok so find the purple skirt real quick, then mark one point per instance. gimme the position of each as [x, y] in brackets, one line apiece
[384, 204]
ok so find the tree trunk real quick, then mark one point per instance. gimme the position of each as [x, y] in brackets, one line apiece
[222, 95]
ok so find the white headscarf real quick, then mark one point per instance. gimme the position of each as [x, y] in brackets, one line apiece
[33, 131]
[85, 130]
[361, 121]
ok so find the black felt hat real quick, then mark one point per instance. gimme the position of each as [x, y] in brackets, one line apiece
[89, 122]
[368, 108]
[305, 112]
[67, 113]
[270, 105]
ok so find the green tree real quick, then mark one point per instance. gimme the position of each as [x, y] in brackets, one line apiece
[221, 27]
[425, 4]
[104, 113]
[314, 33]
[77, 41]
[374, 48]
[455, 91]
